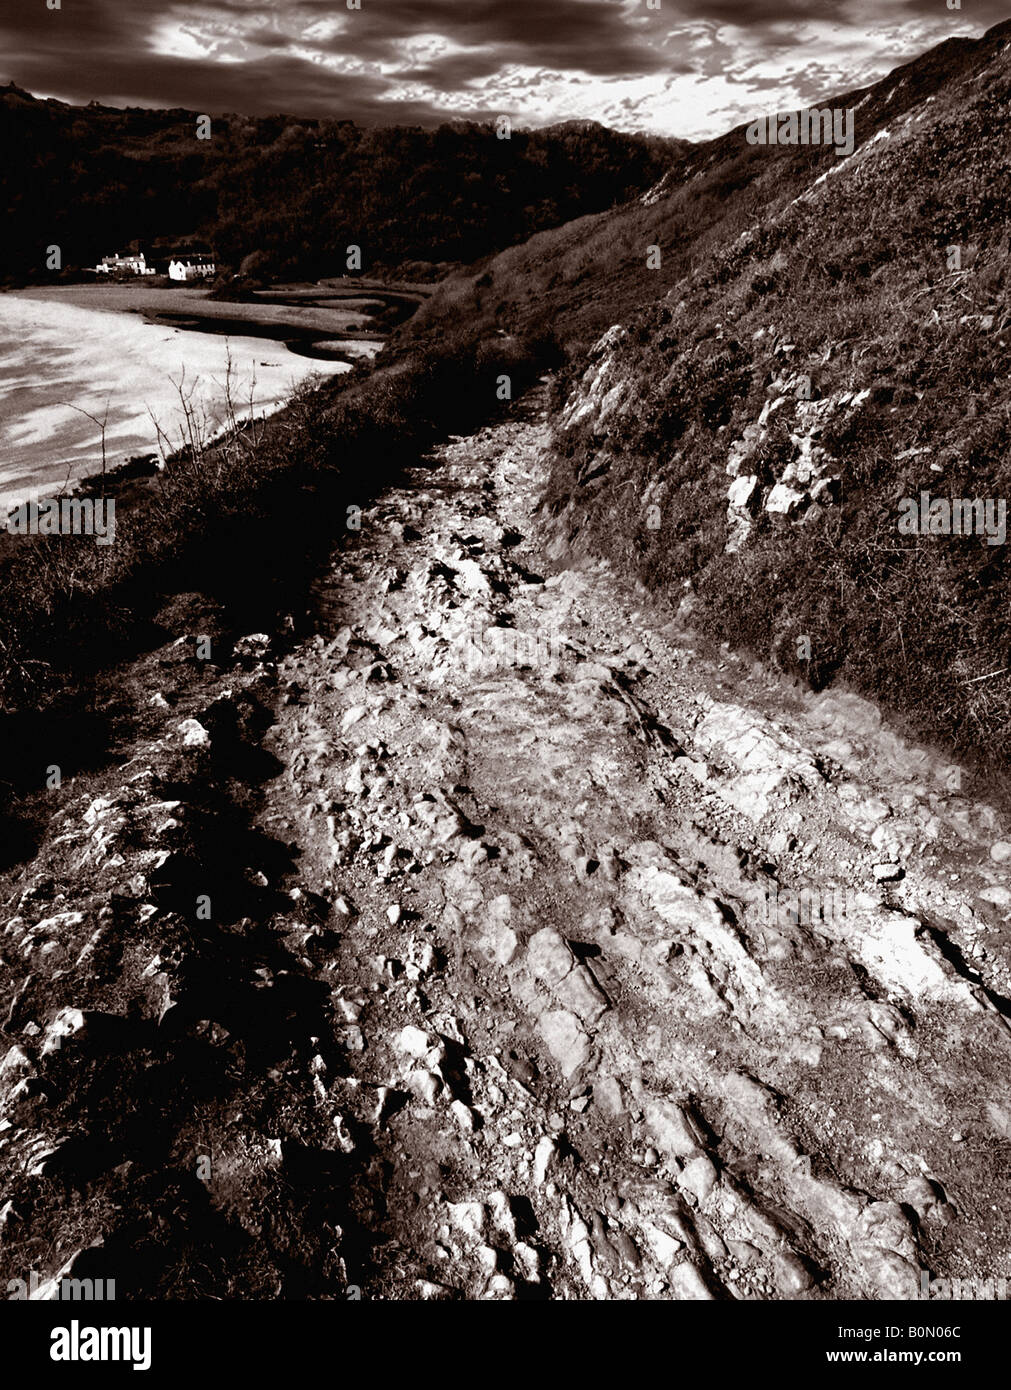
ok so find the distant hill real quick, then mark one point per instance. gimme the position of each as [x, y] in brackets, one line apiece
[293, 194]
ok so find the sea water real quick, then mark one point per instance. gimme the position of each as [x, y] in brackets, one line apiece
[63, 368]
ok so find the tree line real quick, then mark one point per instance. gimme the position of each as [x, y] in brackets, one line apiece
[280, 197]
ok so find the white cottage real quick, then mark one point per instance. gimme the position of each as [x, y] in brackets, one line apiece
[192, 268]
[128, 265]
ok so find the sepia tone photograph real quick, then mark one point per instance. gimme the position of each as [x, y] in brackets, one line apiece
[505, 672]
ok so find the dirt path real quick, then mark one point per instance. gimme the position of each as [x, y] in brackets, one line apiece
[560, 958]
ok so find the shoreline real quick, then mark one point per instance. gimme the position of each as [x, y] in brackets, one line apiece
[68, 355]
[306, 319]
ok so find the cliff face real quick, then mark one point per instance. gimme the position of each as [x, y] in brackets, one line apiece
[756, 433]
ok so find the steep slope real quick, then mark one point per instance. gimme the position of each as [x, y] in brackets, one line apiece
[582, 277]
[748, 440]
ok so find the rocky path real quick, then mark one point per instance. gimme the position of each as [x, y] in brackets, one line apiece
[545, 954]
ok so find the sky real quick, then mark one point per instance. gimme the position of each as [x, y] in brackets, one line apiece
[690, 68]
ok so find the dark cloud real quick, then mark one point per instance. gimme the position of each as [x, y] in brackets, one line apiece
[593, 36]
[45, 49]
[982, 14]
[273, 85]
[755, 14]
[102, 49]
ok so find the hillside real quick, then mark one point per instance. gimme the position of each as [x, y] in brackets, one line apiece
[592, 272]
[743, 436]
[293, 194]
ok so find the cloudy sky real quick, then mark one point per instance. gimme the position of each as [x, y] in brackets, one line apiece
[690, 67]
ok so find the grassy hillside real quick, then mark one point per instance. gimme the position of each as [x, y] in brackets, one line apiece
[839, 352]
[592, 272]
[293, 194]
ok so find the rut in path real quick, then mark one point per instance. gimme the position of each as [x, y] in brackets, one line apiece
[555, 955]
